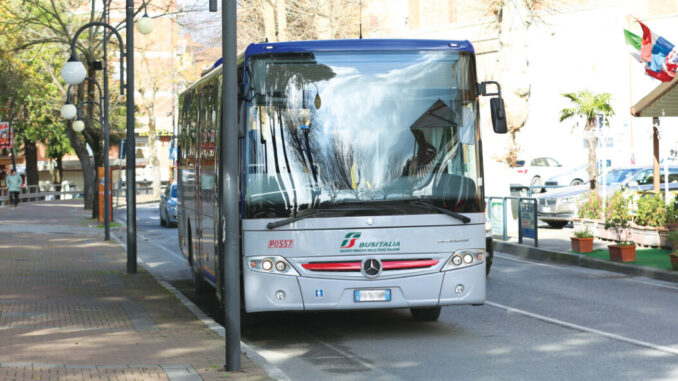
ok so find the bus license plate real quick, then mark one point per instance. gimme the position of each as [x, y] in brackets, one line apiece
[371, 296]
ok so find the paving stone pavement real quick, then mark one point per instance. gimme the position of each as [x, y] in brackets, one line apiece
[69, 310]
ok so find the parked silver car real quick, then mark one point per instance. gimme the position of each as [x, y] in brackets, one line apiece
[168, 206]
[534, 172]
[558, 206]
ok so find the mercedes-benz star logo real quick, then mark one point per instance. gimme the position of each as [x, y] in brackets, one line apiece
[371, 267]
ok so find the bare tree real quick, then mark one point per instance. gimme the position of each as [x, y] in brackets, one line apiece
[513, 18]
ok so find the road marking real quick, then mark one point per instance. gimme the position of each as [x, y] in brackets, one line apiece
[578, 327]
[574, 268]
[355, 358]
[152, 242]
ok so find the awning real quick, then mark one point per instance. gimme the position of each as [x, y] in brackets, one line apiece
[662, 101]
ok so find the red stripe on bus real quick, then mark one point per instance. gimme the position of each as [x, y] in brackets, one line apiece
[332, 266]
[355, 266]
[411, 264]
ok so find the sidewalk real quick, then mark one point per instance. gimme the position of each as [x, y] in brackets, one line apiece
[554, 246]
[69, 311]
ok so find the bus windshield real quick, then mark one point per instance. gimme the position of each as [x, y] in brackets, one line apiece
[351, 133]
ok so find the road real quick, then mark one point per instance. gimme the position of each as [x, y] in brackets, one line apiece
[540, 322]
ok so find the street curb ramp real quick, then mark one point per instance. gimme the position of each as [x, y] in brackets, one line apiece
[546, 255]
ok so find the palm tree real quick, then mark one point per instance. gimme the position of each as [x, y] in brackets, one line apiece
[589, 106]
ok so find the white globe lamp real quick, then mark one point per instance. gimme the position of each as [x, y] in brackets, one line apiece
[74, 71]
[78, 125]
[68, 111]
[145, 25]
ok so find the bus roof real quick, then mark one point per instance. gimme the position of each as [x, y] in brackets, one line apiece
[362, 44]
[341, 45]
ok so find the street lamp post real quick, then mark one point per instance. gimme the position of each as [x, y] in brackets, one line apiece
[74, 73]
[131, 145]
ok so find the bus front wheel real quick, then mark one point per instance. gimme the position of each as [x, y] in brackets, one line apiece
[425, 314]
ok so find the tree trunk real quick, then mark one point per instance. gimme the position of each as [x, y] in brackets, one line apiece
[32, 176]
[512, 62]
[593, 161]
[85, 163]
[269, 21]
[281, 13]
[323, 20]
[93, 136]
[153, 154]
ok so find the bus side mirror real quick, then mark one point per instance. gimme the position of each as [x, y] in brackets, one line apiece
[498, 115]
[496, 106]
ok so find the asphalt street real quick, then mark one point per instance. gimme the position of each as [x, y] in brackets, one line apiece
[541, 321]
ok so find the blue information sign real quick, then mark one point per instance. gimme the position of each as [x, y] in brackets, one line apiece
[528, 224]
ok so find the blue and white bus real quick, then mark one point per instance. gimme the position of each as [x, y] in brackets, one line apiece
[361, 176]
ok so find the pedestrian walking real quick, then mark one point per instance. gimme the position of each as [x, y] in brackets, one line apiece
[14, 187]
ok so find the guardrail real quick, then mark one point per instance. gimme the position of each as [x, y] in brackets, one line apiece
[527, 217]
[144, 187]
[32, 193]
[530, 189]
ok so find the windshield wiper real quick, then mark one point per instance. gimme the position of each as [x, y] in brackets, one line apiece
[450, 213]
[315, 212]
[287, 221]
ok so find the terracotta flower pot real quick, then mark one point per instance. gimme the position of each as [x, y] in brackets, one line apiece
[674, 261]
[582, 245]
[622, 253]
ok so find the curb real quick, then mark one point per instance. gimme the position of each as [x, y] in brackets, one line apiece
[269, 368]
[547, 255]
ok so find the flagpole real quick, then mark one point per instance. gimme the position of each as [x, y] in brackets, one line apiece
[629, 22]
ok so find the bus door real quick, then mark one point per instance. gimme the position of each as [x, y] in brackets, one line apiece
[208, 180]
[189, 177]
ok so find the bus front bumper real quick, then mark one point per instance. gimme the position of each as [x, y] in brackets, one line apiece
[272, 292]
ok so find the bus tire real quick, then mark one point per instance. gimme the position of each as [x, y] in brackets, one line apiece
[425, 314]
[249, 319]
[199, 284]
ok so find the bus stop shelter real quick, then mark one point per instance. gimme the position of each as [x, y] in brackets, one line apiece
[660, 102]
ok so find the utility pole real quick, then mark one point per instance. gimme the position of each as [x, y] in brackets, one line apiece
[229, 187]
[131, 159]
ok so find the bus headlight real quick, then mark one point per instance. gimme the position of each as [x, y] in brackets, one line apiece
[271, 265]
[464, 258]
[266, 265]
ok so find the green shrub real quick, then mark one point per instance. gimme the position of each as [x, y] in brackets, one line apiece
[651, 210]
[586, 233]
[620, 228]
[617, 208]
[673, 236]
[590, 206]
[672, 212]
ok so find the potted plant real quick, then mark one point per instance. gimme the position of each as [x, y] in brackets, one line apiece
[582, 242]
[673, 237]
[672, 217]
[650, 220]
[623, 250]
[589, 210]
